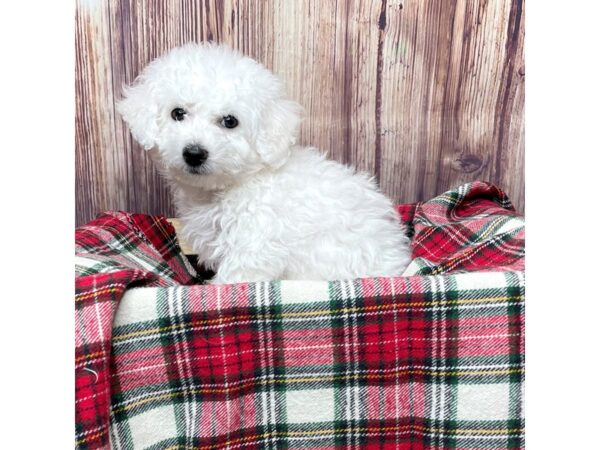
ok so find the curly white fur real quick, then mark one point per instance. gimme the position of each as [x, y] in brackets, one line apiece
[260, 207]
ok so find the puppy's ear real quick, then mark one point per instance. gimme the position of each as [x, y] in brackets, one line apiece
[280, 124]
[140, 111]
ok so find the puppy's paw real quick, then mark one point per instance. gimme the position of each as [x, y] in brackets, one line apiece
[241, 277]
[214, 281]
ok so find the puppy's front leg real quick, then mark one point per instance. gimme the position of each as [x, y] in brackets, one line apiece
[240, 268]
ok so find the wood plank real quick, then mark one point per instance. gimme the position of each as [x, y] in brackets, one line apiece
[97, 165]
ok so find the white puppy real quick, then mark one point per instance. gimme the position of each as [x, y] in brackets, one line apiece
[253, 205]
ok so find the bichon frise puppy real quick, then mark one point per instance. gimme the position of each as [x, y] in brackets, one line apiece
[253, 205]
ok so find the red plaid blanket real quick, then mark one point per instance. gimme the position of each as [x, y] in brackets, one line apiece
[430, 360]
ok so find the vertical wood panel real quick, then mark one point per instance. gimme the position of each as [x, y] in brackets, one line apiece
[424, 94]
[99, 169]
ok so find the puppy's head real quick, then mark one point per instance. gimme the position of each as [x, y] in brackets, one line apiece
[212, 114]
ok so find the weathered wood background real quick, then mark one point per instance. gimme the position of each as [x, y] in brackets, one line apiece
[425, 94]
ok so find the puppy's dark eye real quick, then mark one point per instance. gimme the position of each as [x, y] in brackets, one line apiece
[178, 114]
[229, 122]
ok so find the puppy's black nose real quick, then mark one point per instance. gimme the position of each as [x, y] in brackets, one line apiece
[194, 155]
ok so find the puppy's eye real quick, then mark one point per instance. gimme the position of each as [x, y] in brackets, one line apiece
[229, 122]
[178, 114]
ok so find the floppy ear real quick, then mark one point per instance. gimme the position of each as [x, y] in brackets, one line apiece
[280, 124]
[140, 111]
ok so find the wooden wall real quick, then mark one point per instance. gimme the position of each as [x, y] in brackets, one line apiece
[425, 94]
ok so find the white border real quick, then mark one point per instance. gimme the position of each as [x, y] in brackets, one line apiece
[562, 175]
[37, 113]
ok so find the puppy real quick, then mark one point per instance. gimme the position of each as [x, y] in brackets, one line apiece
[253, 205]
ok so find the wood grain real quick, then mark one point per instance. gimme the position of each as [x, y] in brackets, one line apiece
[424, 94]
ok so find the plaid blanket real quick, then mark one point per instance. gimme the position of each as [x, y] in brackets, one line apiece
[432, 359]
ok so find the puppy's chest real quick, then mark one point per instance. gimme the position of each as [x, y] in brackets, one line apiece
[235, 223]
[202, 228]
[214, 230]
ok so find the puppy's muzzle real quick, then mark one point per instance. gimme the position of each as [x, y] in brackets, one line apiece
[194, 155]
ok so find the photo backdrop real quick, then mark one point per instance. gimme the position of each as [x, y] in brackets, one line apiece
[424, 94]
